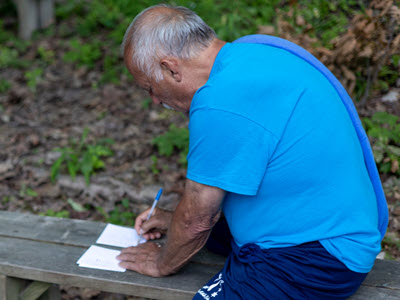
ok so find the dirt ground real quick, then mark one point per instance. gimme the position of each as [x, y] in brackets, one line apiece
[66, 101]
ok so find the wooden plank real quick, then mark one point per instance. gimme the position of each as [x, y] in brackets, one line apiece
[69, 232]
[53, 293]
[79, 233]
[375, 293]
[64, 231]
[35, 290]
[57, 264]
[10, 288]
[385, 273]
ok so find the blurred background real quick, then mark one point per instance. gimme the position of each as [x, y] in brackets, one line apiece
[78, 140]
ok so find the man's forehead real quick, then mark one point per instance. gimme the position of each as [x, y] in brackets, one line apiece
[140, 78]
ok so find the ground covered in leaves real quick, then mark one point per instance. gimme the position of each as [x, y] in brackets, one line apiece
[41, 114]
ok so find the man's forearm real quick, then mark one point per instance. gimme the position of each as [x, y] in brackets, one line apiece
[190, 228]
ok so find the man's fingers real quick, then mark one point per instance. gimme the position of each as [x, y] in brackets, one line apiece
[131, 250]
[152, 223]
[128, 265]
[152, 235]
[141, 219]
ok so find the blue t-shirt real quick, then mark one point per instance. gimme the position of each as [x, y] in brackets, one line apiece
[269, 128]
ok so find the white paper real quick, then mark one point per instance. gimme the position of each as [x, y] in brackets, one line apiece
[100, 258]
[119, 236]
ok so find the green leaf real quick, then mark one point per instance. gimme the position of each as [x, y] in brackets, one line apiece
[394, 150]
[55, 168]
[76, 206]
[73, 168]
[125, 203]
[31, 192]
[87, 166]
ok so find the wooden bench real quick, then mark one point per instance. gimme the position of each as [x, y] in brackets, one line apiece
[38, 253]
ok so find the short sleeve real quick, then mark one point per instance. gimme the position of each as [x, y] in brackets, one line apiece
[228, 151]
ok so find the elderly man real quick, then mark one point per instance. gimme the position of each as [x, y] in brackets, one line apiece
[272, 146]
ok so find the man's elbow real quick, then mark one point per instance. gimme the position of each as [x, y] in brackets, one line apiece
[199, 224]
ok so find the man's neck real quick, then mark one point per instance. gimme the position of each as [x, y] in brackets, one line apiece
[200, 67]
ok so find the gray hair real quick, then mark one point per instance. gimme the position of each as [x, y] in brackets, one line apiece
[177, 32]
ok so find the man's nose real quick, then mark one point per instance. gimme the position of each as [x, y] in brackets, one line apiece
[155, 99]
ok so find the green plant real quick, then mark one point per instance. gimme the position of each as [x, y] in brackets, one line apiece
[83, 54]
[4, 35]
[27, 191]
[174, 138]
[154, 168]
[7, 199]
[120, 215]
[46, 55]
[4, 85]
[8, 57]
[76, 206]
[82, 158]
[58, 214]
[384, 130]
[33, 77]
[146, 103]
[112, 68]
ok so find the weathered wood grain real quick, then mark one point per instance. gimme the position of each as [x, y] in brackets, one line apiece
[35, 290]
[56, 263]
[385, 274]
[56, 230]
[374, 293]
[46, 249]
[10, 288]
[69, 232]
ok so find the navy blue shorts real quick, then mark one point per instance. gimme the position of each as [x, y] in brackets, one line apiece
[305, 271]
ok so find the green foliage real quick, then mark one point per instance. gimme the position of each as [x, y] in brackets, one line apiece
[69, 8]
[76, 206]
[146, 103]
[82, 158]
[57, 214]
[83, 54]
[384, 130]
[8, 57]
[26, 191]
[4, 35]
[174, 138]
[388, 74]
[328, 18]
[46, 55]
[33, 77]
[4, 86]
[154, 168]
[120, 215]
[112, 70]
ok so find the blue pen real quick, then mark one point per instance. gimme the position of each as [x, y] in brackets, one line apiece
[152, 209]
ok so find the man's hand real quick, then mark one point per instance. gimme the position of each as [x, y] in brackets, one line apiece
[142, 259]
[197, 212]
[156, 226]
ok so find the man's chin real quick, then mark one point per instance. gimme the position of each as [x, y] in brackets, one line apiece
[168, 107]
[186, 113]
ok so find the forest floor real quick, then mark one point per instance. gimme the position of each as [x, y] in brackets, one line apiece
[67, 100]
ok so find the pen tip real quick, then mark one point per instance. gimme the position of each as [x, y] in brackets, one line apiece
[159, 193]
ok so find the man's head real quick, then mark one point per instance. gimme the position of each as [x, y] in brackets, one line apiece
[162, 49]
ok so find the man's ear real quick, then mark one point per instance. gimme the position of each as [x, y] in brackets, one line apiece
[171, 67]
